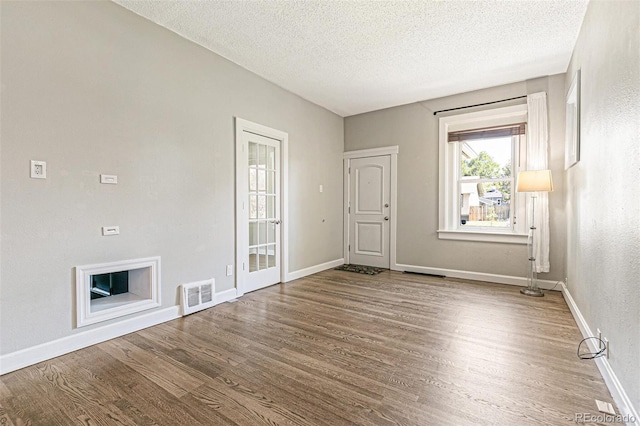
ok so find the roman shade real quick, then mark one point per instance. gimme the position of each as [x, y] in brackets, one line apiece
[487, 132]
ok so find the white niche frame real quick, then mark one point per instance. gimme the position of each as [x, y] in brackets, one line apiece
[144, 286]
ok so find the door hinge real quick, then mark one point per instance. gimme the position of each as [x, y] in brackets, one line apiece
[243, 266]
[349, 170]
[349, 249]
[349, 210]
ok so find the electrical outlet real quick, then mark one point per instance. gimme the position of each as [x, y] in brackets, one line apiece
[229, 270]
[607, 347]
[38, 169]
[599, 335]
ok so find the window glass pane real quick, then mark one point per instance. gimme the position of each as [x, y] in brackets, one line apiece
[486, 204]
[271, 232]
[271, 211]
[252, 180]
[263, 232]
[253, 233]
[262, 207]
[253, 206]
[486, 158]
[271, 157]
[262, 178]
[262, 156]
[253, 259]
[271, 179]
[271, 256]
[253, 154]
[262, 258]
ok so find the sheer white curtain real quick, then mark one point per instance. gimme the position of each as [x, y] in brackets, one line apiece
[537, 159]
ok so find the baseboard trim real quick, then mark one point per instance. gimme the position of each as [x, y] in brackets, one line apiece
[313, 270]
[618, 393]
[476, 276]
[35, 354]
[226, 295]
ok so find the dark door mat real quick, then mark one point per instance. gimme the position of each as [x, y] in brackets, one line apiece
[360, 269]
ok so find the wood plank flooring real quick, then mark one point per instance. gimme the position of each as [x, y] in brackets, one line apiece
[335, 348]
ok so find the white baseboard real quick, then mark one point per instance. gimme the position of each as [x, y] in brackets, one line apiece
[226, 295]
[313, 270]
[476, 276]
[627, 410]
[35, 354]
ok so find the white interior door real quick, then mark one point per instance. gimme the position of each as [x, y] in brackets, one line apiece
[369, 211]
[261, 261]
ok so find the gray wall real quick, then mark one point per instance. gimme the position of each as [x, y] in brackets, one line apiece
[602, 197]
[92, 88]
[415, 129]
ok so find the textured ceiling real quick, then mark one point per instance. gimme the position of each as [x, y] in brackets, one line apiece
[357, 56]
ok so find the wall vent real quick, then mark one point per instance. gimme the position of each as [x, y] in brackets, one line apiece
[197, 296]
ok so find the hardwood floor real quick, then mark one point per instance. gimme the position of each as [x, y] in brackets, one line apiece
[334, 348]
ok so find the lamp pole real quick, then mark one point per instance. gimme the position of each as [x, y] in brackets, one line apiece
[532, 278]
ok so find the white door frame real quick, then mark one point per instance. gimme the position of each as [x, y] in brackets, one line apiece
[391, 151]
[242, 172]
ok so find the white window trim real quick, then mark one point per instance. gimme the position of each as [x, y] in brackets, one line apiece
[448, 157]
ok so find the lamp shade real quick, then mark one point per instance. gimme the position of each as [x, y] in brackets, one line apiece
[535, 181]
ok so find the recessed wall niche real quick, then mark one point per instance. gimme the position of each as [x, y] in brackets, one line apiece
[110, 290]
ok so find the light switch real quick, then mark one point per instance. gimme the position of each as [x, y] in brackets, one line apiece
[112, 179]
[110, 230]
[321, 188]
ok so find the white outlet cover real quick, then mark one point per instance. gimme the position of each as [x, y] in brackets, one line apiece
[38, 169]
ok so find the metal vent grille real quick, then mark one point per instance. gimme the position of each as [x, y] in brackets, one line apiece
[206, 293]
[197, 296]
[193, 296]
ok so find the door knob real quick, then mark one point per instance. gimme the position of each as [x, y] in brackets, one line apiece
[386, 205]
[386, 218]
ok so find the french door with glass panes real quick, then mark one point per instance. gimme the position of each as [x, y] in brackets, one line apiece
[262, 255]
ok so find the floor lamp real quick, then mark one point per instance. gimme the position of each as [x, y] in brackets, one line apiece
[533, 181]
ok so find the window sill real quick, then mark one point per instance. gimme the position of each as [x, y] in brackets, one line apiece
[489, 237]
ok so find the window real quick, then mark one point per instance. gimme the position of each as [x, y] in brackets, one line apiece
[480, 154]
